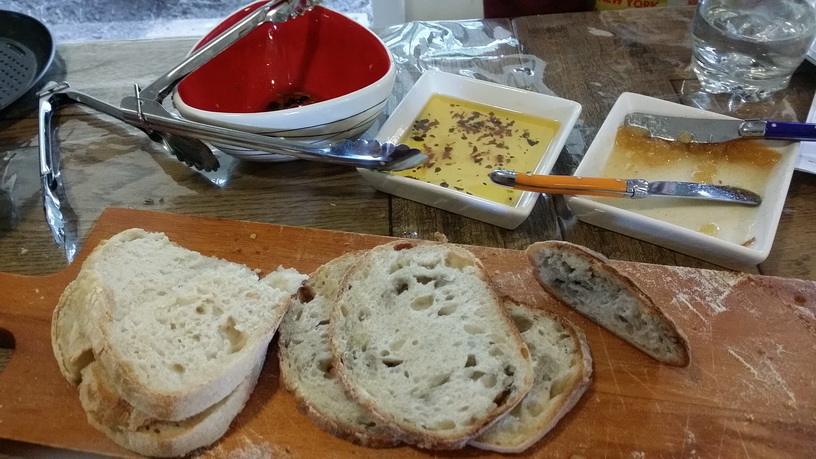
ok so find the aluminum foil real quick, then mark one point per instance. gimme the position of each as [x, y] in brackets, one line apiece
[481, 49]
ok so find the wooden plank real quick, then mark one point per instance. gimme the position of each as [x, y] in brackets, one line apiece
[748, 390]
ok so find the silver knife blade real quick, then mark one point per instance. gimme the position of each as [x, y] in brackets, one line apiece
[705, 191]
[695, 130]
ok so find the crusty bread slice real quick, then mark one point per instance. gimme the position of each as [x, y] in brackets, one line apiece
[585, 281]
[174, 330]
[139, 432]
[306, 360]
[563, 368]
[69, 338]
[422, 342]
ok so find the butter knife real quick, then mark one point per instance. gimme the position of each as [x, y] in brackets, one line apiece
[707, 130]
[632, 188]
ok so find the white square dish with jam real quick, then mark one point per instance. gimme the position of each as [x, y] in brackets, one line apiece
[729, 235]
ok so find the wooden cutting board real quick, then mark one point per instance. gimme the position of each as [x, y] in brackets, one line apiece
[749, 391]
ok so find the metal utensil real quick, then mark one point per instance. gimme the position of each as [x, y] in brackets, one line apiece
[704, 130]
[144, 110]
[192, 152]
[632, 188]
[367, 154]
[145, 107]
[182, 136]
[26, 51]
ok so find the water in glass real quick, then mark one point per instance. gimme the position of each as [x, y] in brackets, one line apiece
[750, 47]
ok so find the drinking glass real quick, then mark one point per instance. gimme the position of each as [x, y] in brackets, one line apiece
[750, 48]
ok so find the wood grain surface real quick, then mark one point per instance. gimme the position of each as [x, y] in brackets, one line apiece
[748, 392]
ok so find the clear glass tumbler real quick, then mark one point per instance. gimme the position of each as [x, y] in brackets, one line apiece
[750, 48]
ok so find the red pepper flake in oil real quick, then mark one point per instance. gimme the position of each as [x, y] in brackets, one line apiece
[462, 139]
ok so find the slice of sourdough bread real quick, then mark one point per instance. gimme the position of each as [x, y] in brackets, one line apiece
[306, 360]
[563, 368]
[585, 281]
[69, 338]
[139, 432]
[422, 342]
[174, 330]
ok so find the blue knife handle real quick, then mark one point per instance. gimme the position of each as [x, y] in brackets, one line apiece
[790, 131]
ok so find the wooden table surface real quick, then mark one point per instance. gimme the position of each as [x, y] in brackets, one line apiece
[587, 57]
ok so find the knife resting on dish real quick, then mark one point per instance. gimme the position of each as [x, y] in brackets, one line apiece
[633, 188]
[704, 130]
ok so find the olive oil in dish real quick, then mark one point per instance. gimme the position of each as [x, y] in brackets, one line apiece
[464, 141]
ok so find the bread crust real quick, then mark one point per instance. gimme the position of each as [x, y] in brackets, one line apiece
[69, 323]
[162, 404]
[574, 388]
[109, 413]
[162, 412]
[600, 266]
[409, 432]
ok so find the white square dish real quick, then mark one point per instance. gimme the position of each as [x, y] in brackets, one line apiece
[747, 232]
[564, 112]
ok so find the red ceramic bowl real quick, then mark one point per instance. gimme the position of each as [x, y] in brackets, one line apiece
[317, 78]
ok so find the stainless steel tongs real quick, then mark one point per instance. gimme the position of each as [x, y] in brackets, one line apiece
[144, 110]
[184, 138]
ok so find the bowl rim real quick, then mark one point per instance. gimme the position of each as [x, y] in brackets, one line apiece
[675, 237]
[487, 210]
[341, 104]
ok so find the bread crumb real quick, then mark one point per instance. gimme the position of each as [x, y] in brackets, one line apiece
[23, 250]
[253, 236]
[249, 450]
[440, 237]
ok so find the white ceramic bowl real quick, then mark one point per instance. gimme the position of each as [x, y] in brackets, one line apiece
[738, 224]
[280, 62]
[514, 100]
